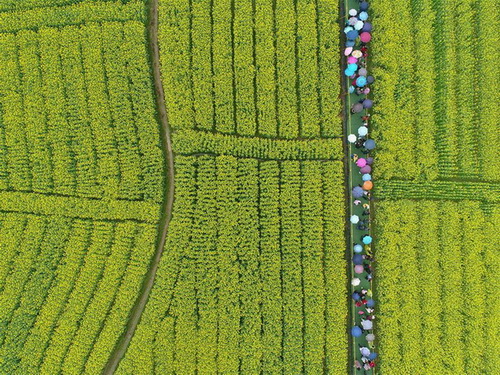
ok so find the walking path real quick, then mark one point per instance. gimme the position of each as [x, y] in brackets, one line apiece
[140, 304]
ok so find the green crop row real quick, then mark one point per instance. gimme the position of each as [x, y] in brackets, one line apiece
[234, 71]
[251, 271]
[78, 115]
[430, 259]
[67, 292]
[190, 142]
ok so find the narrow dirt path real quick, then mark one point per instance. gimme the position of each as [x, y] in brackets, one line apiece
[140, 304]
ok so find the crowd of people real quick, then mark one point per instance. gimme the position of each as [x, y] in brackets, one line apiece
[358, 35]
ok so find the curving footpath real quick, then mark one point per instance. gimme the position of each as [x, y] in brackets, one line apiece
[137, 310]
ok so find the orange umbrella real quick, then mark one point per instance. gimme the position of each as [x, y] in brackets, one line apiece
[367, 185]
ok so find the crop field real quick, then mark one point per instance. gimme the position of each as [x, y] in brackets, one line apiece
[81, 181]
[437, 177]
[174, 187]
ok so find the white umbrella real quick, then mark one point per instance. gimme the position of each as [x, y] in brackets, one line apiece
[367, 324]
[353, 12]
[362, 131]
[355, 281]
[365, 352]
[370, 337]
[354, 219]
[352, 138]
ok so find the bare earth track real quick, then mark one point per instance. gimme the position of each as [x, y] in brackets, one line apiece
[140, 304]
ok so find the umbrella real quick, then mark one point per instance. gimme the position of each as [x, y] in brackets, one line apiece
[366, 91]
[362, 72]
[353, 12]
[357, 107]
[370, 337]
[356, 296]
[349, 43]
[357, 192]
[354, 219]
[357, 259]
[369, 160]
[361, 162]
[352, 60]
[356, 331]
[370, 79]
[363, 5]
[351, 89]
[361, 81]
[349, 72]
[369, 144]
[358, 248]
[370, 303]
[362, 131]
[365, 352]
[355, 281]
[352, 66]
[363, 16]
[372, 356]
[353, 20]
[367, 177]
[347, 29]
[353, 34]
[358, 268]
[365, 36]
[367, 103]
[357, 53]
[359, 25]
[367, 27]
[367, 324]
[366, 169]
[367, 240]
[367, 185]
[351, 138]
[347, 51]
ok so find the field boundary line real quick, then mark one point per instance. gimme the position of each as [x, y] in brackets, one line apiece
[442, 190]
[140, 304]
[198, 142]
[78, 207]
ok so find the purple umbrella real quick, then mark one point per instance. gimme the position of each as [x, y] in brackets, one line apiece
[367, 27]
[369, 160]
[357, 192]
[365, 169]
[367, 103]
[370, 79]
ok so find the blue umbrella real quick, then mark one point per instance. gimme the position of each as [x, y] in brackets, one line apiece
[351, 89]
[353, 34]
[356, 331]
[367, 103]
[372, 356]
[349, 43]
[348, 72]
[363, 5]
[367, 26]
[357, 259]
[369, 144]
[367, 177]
[370, 303]
[357, 192]
[370, 79]
[361, 81]
[358, 248]
[363, 16]
[352, 67]
[356, 296]
[367, 240]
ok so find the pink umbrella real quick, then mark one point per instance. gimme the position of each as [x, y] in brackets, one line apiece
[366, 91]
[365, 169]
[365, 37]
[359, 268]
[352, 60]
[348, 51]
[361, 162]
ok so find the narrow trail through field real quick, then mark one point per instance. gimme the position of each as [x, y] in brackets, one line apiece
[140, 304]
